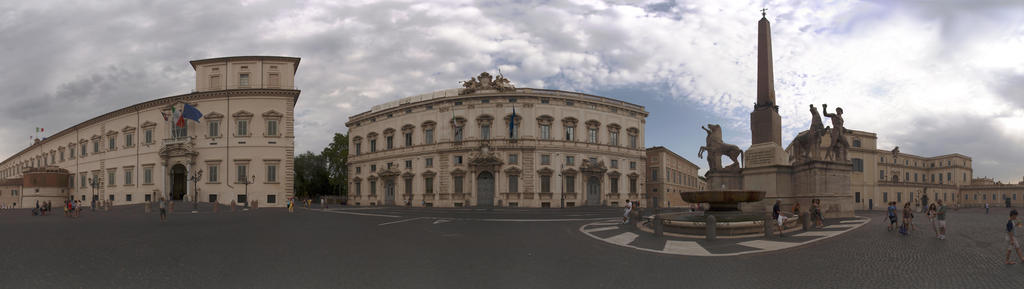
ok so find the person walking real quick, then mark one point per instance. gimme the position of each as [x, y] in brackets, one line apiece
[931, 218]
[892, 216]
[777, 215]
[163, 210]
[986, 208]
[907, 212]
[1011, 239]
[291, 205]
[940, 213]
[629, 208]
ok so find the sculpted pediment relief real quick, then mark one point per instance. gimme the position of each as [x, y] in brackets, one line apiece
[486, 82]
[273, 114]
[484, 158]
[545, 171]
[242, 114]
[389, 173]
[213, 115]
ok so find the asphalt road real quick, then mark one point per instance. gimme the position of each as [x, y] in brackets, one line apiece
[464, 248]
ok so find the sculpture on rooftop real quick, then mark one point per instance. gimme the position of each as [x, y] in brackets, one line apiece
[716, 148]
[485, 81]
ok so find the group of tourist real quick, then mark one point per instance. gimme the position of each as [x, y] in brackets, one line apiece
[8, 206]
[72, 208]
[936, 214]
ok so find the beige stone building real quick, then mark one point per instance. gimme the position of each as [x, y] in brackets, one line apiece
[881, 176]
[243, 145]
[490, 144]
[983, 191]
[669, 174]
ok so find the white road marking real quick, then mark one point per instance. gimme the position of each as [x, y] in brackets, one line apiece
[361, 214]
[768, 245]
[399, 221]
[842, 226]
[623, 239]
[537, 220]
[441, 221]
[599, 229]
[851, 221]
[819, 234]
[685, 248]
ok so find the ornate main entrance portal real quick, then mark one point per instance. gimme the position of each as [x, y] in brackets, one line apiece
[179, 183]
[593, 191]
[389, 192]
[485, 189]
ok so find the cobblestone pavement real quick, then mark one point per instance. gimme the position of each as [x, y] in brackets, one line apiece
[466, 248]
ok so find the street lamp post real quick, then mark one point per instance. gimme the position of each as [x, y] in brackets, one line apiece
[95, 184]
[198, 175]
[247, 182]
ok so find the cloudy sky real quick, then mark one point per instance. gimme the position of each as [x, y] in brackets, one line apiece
[933, 77]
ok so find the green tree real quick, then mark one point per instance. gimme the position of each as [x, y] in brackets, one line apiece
[336, 155]
[311, 176]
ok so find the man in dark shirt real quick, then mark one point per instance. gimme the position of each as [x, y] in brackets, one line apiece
[1011, 239]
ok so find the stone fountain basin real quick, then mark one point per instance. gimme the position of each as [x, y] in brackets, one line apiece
[724, 196]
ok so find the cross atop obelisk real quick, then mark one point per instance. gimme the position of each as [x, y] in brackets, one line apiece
[762, 12]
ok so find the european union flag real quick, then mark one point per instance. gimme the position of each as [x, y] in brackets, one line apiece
[190, 112]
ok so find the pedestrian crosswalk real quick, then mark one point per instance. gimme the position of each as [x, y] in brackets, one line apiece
[623, 235]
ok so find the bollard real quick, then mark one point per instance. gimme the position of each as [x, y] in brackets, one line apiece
[171, 207]
[709, 233]
[805, 220]
[658, 226]
[634, 215]
[149, 207]
[233, 204]
[767, 226]
[216, 206]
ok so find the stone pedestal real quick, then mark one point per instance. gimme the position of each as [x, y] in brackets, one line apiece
[725, 180]
[765, 155]
[827, 181]
[776, 181]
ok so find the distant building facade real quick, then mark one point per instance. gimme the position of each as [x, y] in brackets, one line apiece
[243, 144]
[490, 144]
[669, 174]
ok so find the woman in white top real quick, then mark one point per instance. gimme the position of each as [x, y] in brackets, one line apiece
[629, 207]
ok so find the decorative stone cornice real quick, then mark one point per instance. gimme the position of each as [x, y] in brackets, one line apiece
[242, 114]
[213, 115]
[272, 114]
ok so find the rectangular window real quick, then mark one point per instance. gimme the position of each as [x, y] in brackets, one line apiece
[428, 136]
[243, 80]
[885, 197]
[212, 174]
[632, 185]
[243, 127]
[112, 143]
[82, 180]
[373, 168]
[408, 188]
[359, 148]
[858, 165]
[128, 176]
[592, 135]
[881, 174]
[570, 133]
[271, 199]
[949, 177]
[615, 185]
[545, 159]
[899, 197]
[129, 140]
[485, 132]
[632, 141]
[613, 138]
[95, 147]
[632, 165]
[214, 128]
[240, 170]
[242, 199]
[389, 142]
[654, 175]
[458, 133]
[271, 173]
[71, 152]
[84, 150]
[570, 184]
[408, 139]
[545, 184]
[545, 131]
[458, 160]
[428, 185]
[408, 164]
[147, 176]
[149, 136]
[111, 178]
[214, 82]
[272, 127]
[458, 184]
[570, 160]
[513, 159]
[513, 184]
[373, 145]
[615, 164]
[428, 162]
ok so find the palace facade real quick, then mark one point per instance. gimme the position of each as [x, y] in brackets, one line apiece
[490, 144]
[240, 150]
[669, 174]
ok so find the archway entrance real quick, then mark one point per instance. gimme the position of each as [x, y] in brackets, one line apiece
[593, 191]
[178, 182]
[485, 189]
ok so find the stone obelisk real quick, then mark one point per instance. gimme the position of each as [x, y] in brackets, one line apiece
[765, 122]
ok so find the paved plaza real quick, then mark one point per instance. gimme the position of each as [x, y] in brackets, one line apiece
[467, 248]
